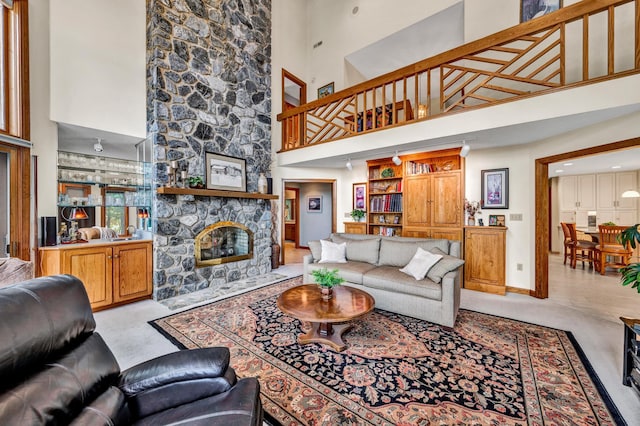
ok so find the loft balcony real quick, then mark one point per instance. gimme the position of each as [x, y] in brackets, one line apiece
[591, 46]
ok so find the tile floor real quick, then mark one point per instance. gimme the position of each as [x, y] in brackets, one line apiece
[585, 303]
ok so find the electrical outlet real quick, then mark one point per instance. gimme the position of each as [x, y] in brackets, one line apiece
[518, 266]
[515, 216]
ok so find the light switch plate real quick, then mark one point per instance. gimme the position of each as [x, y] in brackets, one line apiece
[515, 217]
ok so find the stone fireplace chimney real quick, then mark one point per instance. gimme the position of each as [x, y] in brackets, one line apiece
[208, 90]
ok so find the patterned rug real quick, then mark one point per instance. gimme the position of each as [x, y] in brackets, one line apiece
[399, 370]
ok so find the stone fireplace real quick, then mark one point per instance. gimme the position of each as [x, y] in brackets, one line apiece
[208, 90]
[223, 242]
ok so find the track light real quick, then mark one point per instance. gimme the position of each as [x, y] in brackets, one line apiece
[464, 151]
[396, 160]
[349, 165]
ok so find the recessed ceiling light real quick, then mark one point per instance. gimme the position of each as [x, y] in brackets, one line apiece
[568, 164]
[559, 171]
[616, 167]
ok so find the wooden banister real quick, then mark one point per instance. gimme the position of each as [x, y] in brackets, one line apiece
[483, 72]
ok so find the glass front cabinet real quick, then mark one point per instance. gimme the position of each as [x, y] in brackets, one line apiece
[113, 193]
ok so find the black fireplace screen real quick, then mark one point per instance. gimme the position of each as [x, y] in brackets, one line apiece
[223, 242]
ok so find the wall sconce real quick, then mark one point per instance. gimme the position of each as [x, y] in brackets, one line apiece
[396, 160]
[464, 151]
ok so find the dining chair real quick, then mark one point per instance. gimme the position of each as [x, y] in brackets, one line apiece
[568, 243]
[610, 252]
[581, 250]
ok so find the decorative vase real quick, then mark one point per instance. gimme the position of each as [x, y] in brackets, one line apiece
[471, 221]
[262, 184]
[327, 293]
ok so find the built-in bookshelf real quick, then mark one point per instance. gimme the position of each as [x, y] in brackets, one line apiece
[420, 197]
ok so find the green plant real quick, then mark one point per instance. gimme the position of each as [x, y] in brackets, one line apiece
[609, 224]
[195, 181]
[631, 273]
[387, 172]
[357, 214]
[327, 278]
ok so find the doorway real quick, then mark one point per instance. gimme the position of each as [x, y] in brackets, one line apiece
[543, 211]
[308, 213]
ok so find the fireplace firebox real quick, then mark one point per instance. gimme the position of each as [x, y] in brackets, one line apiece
[223, 242]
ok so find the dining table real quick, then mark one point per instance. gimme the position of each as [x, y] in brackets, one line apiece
[591, 231]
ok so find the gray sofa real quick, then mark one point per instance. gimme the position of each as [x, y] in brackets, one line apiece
[374, 263]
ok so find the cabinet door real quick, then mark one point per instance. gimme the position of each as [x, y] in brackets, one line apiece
[484, 253]
[586, 192]
[606, 191]
[624, 182]
[448, 234]
[417, 200]
[93, 266]
[626, 217]
[445, 200]
[568, 192]
[132, 271]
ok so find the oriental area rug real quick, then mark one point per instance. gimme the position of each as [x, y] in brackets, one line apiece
[399, 370]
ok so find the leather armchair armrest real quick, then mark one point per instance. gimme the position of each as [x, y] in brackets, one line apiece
[175, 379]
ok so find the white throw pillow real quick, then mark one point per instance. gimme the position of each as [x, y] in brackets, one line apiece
[333, 253]
[421, 263]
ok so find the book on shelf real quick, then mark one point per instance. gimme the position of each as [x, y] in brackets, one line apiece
[386, 203]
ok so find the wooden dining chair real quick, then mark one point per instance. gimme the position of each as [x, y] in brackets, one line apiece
[610, 252]
[568, 243]
[581, 250]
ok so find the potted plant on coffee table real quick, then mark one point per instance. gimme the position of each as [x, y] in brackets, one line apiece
[327, 279]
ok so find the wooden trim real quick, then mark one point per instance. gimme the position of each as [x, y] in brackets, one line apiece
[20, 200]
[518, 290]
[637, 40]
[214, 193]
[542, 206]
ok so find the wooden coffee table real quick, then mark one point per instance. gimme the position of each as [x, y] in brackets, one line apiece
[329, 319]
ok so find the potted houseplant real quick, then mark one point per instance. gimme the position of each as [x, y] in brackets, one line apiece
[631, 273]
[327, 279]
[195, 182]
[357, 215]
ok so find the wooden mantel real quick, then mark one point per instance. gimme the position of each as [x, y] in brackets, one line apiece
[214, 193]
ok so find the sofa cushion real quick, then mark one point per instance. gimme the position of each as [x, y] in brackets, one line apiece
[360, 250]
[399, 253]
[332, 252]
[444, 265]
[389, 278]
[350, 271]
[421, 262]
[316, 249]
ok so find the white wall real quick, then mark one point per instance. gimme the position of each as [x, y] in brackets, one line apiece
[315, 225]
[98, 77]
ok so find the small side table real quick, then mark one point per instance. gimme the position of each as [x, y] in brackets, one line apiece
[631, 362]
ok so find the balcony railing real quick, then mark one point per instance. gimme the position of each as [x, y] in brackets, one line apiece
[587, 42]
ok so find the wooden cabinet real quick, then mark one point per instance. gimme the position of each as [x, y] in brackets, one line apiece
[113, 273]
[429, 188]
[290, 231]
[355, 227]
[485, 258]
[631, 363]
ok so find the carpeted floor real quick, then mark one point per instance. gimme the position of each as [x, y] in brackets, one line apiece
[399, 370]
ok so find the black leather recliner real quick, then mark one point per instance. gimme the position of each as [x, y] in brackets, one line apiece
[54, 369]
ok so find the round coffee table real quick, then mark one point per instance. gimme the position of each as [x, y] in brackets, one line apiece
[329, 319]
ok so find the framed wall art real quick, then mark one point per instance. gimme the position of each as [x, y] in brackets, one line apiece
[359, 196]
[326, 90]
[495, 189]
[226, 173]
[314, 204]
[530, 9]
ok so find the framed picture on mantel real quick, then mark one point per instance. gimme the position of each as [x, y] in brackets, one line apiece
[226, 173]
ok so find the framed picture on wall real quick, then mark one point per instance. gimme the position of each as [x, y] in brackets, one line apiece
[359, 196]
[495, 189]
[530, 9]
[314, 204]
[227, 173]
[325, 90]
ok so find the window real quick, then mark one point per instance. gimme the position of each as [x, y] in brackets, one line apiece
[116, 213]
[14, 69]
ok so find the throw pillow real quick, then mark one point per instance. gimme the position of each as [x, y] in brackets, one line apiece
[332, 252]
[316, 250]
[444, 266]
[421, 263]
